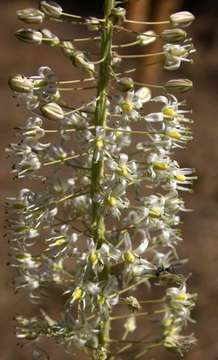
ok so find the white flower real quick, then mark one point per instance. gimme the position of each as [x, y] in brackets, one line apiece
[130, 104]
[129, 255]
[175, 54]
[147, 37]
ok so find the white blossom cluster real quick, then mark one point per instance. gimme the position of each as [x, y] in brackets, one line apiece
[105, 221]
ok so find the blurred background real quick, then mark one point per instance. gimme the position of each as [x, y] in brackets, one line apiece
[200, 228]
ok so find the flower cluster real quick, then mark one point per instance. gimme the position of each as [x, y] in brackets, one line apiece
[95, 229]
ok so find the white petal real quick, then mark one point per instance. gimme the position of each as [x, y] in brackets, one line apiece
[154, 117]
[142, 247]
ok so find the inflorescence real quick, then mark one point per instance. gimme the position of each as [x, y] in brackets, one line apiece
[103, 228]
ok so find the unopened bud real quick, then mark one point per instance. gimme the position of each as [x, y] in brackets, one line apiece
[51, 8]
[20, 84]
[49, 38]
[116, 60]
[68, 48]
[118, 15]
[93, 23]
[173, 35]
[29, 36]
[101, 354]
[125, 84]
[132, 303]
[178, 85]
[143, 94]
[130, 324]
[79, 60]
[52, 111]
[182, 18]
[31, 16]
[146, 38]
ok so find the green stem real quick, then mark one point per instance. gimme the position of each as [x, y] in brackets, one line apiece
[98, 223]
[100, 121]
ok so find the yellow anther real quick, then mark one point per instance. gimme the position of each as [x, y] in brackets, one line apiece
[57, 266]
[173, 330]
[168, 111]
[123, 170]
[127, 106]
[99, 144]
[155, 212]
[182, 297]
[128, 256]
[24, 257]
[112, 201]
[93, 257]
[180, 177]
[167, 322]
[101, 299]
[118, 134]
[60, 242]
[158, 165]
[77, 294]
[174, 134]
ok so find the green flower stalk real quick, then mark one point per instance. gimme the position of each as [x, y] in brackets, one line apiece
[103, 228]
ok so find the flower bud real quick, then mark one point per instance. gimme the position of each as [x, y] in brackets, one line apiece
[79, 60]
[50, 38]
[20, 83]
[130, 324]
[146, 38]
[52, 111]
[178, 85]
[51, 8]
[93, 24]
[29, 36]
[68, 48]
[182, 18]
[143, 94]
[118, 15]
[125, 84]
[173, 35]
[132, 303]
[116, 60]
[101, 354]
[31, 16]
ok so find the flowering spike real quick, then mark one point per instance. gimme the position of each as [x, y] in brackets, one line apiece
[106, 217]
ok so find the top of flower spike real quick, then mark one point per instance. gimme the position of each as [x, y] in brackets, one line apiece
[50, 8]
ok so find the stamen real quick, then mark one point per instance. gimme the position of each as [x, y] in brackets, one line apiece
[131, 56]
